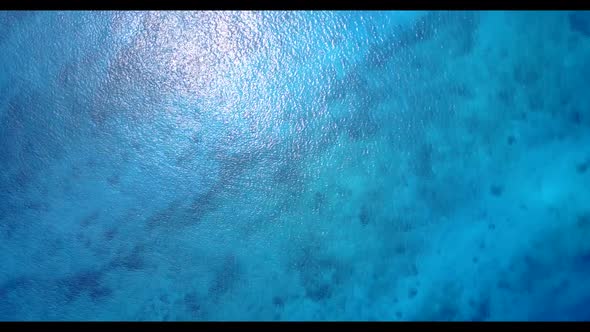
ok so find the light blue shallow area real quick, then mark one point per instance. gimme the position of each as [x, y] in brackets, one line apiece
[294, 166]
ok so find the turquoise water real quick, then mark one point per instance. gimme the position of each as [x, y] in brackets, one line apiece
[294, 165]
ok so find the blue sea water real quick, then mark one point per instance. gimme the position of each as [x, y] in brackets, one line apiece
[295, 165]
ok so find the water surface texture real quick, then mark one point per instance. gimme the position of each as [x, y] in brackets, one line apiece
[294, 165]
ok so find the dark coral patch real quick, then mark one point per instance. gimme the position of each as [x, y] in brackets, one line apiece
[582, 167]
[226, 276]
[496, 190]
[580, 22]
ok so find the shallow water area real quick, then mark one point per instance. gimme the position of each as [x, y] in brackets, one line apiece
[294, 165]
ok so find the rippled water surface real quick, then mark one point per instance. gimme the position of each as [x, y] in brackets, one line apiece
[294, 165]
